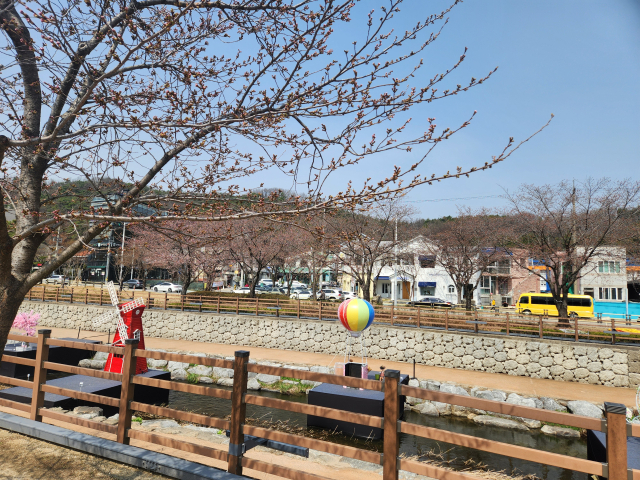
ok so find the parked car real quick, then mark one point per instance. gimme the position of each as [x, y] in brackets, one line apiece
[331, 294]
[277, 290]
[349, 295]
[431, 302]
[245, 290]
[167, 287]
[56, 279]
[301, 295]
[132, 284]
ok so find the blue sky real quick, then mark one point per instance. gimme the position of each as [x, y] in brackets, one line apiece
[579, 60]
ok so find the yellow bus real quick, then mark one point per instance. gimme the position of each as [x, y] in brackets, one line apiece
[542, 303]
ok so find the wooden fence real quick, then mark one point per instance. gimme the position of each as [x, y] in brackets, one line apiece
[614, 424]
[486, 321]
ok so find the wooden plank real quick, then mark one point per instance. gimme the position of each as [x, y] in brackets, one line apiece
[178, 444]
[183, 387]
[316, 377]
[238, 409]
[359, 418]
[504, 408]
[83, 422]
[616, 440]
[89, 397]
[84, 346]
[127, 390]
[180, 415]
[514, 451]
[635, 429]
[39, 375]
[391, 439]
[320, 445]
[177, 357]
[22, 338]
[30, 362]
[635, 474]
[23, 407]
[279, 471]
[90, 372]
[432, 471]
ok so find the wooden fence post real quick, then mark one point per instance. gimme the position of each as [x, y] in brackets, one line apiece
[392, 315]
[39, 375]
[71, 297]
[57, 293]
[44, 290]
[181, 303]
[126, 392]
[238, 411]
[100, 295]
[320, 311]
[613, 329]
[165, 300]
[30, 294]
[446, 320]
[507, 323]
[576, 329]
[278, 307]
[200, 308]
[391, 417]
[86, 296]
[298, 307]
[237, 305]
[257, 305]
[616, 440]
[418, 317]
[218, 303]
[540, 326]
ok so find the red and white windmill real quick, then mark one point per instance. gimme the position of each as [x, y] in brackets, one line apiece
[128, 318]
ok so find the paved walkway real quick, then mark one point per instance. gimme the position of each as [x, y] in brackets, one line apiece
[508, 383]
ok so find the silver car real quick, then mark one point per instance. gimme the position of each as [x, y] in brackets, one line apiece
[167, 287]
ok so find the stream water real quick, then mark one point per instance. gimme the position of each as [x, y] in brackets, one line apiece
[411, 445]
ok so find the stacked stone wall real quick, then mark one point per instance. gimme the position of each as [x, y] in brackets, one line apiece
[558, 360]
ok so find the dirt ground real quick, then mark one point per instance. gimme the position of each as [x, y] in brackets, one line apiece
[25, 458]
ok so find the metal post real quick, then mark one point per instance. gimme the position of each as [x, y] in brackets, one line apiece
[616, 440]
[126, 392]
[238, 411]
[39, 375]
[391, 417]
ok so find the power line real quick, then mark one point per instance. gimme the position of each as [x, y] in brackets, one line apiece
[452, 199]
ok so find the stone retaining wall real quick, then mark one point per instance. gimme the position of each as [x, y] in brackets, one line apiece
[558, 360]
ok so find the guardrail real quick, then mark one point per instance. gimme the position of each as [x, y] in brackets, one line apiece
[492, 322]
[614, 424]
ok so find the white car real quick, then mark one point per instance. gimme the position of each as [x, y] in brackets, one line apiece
[349, 295]
[56, 279]
[167, 287]
[242, 290]
[302, 295]
[331, 294]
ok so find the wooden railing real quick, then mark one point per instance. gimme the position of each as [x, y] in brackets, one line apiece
[614, 424]
[510, 324]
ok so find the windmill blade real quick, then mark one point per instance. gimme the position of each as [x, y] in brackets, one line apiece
[122, 329]
[113, 294]
[107, 318]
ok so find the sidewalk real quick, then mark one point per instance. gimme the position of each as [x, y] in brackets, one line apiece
[522, 385]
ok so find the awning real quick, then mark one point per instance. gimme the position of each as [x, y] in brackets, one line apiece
[382, 278]
[426, 284]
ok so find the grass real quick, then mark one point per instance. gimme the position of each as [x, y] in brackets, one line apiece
[137, 420]
[192, 378]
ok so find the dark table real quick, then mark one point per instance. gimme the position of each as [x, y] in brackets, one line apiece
[369, 402]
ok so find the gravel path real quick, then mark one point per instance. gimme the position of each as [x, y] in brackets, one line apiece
[25, 458]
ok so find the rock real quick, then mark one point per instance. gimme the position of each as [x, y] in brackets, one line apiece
[516, 399]
[413, 400]
[226, 382]
[443, 408]
[84, 363]
[101, 356]
[95, 411]
[268, 379]
[289, 382]
[222, 372]
[171, 366]
[414, 382]
[154, 363]
[587, 409]
[428, 408]
[98, 364]
[495, 395]
[179, 374]
[100, 418]
[320, 369]
[530, 423]
[458, 411]
[432, 385]
[296, 367]
[252, 384]
[205, 380]
[499, 422]
[310, 383]
[200, 370]
[455, 389]
[160, 423]
[551, 404]
[112, 420]
[560, 431]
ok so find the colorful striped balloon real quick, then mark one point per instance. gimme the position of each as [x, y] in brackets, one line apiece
[356, 314]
